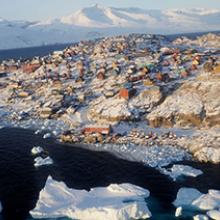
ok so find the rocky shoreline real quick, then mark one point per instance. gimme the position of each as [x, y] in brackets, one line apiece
[135, 89]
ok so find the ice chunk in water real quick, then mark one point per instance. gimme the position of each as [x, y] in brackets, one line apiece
[178, 170]
[39, 161]
[37, 150]
[115, 202]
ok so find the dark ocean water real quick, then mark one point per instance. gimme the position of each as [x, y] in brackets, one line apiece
[21, 182]
[30, 51]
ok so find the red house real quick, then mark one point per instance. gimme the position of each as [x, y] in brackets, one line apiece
[126, 93]
[97, 129]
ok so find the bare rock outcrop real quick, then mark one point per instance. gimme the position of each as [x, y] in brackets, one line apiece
[195, 104]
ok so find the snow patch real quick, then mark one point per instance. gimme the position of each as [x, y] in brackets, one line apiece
[115, 202]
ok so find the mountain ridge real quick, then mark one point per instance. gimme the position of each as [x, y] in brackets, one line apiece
[106, 21]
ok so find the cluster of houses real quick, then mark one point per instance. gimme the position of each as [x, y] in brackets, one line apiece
[65, 82]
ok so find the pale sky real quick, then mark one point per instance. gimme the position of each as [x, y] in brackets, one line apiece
[43, 9]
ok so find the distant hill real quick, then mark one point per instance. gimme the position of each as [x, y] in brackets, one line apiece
[98, 21]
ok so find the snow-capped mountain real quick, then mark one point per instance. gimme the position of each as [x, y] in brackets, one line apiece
[98, 21]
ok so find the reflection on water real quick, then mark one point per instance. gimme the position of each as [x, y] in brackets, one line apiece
[20, 181]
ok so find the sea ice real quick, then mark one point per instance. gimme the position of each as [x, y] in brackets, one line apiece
[37, 131]
[48, 135]
[37, 150]
[200, 217]
[193, 198]
[178, 212]
[214, 214]
[154, 156]
[39, 161]
[186, 196]
[178, 170]
[115, 202]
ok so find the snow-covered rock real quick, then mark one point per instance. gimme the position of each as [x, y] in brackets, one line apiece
[115, 202]
[214, 214]
[182, 108]
[112, 109]
[37, 150]
[178, 170]
[209, 40]
[208, 154]
[147, 99]
[194, 103]
[39, 161]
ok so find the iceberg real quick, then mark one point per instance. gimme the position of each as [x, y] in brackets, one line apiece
[186, 196]
[39, 161]
[178, 170]
[0, 207]
[37, 150]
[115, 202]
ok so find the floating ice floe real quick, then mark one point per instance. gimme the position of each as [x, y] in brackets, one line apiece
[214, 214]
[48, 135]
[178, 212]
[178, 170]
[37, 150]
[200, 217]
[37, 131]
[39, 161]
[186, 196]
[190, 198]
[115, 202]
